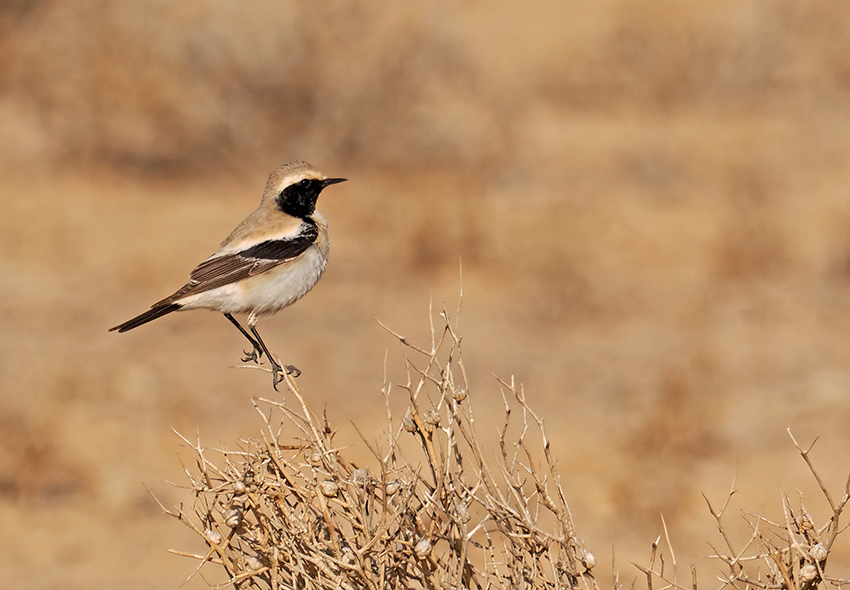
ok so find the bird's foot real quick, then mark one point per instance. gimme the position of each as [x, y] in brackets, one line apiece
[252, 357]
[279, 373]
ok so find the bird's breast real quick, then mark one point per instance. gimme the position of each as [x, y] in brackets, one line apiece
[285, 284]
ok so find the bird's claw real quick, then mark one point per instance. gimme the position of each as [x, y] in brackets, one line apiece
[252, 357]
[277, 377]
[279, 373]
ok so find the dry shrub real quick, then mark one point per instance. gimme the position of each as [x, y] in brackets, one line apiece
[439, 509]
[790, 554]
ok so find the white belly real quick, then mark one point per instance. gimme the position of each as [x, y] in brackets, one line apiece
[266, 293]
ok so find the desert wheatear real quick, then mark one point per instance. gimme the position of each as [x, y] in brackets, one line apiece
[270, 261]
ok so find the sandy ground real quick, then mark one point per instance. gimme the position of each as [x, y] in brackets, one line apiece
[650, 205]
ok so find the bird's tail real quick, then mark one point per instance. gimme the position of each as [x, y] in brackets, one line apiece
[157, 311]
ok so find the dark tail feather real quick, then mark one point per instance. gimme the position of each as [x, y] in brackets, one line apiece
[157, 311]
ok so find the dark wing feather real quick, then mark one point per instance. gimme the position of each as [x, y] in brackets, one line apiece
[228, 268]
[284, 249]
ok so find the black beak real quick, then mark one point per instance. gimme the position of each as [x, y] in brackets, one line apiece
[330, 181]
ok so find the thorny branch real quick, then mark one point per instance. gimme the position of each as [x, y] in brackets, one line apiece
[787, 555]
[436, 511]
[439, 509]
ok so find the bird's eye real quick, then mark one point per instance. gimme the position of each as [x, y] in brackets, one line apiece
[305, 183]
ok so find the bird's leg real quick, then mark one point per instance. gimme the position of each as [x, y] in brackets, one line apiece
[277, 370]
[257, 353]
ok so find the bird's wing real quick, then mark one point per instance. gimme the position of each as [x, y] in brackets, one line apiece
[223, 269]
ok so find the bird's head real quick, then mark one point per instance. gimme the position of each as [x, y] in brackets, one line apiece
[295, 186]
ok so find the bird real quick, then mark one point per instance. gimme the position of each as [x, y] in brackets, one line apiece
[271, 260]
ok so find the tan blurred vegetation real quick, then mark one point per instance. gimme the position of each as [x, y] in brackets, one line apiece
[650, 201]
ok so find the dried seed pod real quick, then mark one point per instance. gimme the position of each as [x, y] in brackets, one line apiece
[258, 534]
[460, 395]
[432, 417]
[299, 527]
[423, 548]
[588, 560]
[391, 488]
[233, 518]
[360, 477]
[409, 424]
[239, 486]
[329, 488]
[818, 552]
[212, 536]
[253, 563]
[315, 458]
[462, 513]
[808, 572]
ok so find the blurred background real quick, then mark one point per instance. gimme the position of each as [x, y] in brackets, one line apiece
[651, 202]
